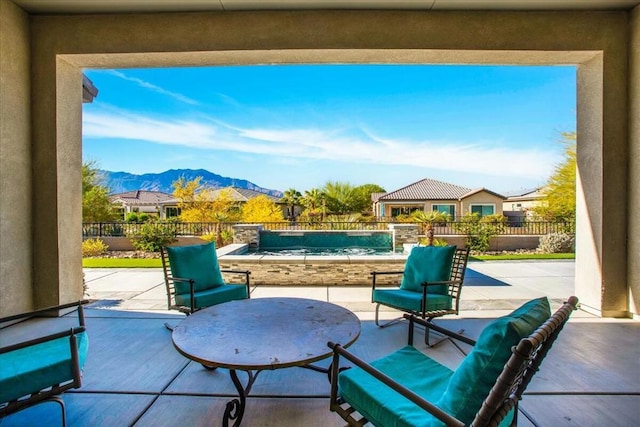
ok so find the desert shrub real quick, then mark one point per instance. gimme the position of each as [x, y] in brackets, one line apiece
[436, 242]
[93, 247]
[557, 243]
[137, 217]
[151, 236]
[480, 230]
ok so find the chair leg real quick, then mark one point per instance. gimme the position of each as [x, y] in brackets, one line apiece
[440, 339]
[59, 400]
[389, 323]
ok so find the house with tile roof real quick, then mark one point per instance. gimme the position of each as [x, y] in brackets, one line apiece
[157, 203]
[242, 195]
[431, 195]
[523, 200]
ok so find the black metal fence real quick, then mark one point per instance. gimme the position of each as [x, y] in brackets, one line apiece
[121, 229]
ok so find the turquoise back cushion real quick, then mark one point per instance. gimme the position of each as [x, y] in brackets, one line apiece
[197, 262]
[428, 264]
[472, 381]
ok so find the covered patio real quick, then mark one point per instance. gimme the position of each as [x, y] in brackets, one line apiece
[134, 376]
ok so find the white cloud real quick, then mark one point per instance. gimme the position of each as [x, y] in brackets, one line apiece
[316, 144]
[152, 87]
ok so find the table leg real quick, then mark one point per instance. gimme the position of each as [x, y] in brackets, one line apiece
[235, 408]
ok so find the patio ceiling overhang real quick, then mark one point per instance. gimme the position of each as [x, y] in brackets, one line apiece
[145, 6]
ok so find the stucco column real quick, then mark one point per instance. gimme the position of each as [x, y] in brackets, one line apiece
[633, 275]
[15, 162]
[57, 178]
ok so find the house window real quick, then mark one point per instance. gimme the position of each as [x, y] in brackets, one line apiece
[404, 210]
[483, 210]
[172, 211]
[447, 209]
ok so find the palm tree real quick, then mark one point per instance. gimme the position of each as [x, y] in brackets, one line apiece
[291, 198]
[312, 199]
[340, 197]
[428, 219]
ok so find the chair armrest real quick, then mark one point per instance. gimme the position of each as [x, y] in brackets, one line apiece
[381, 273]
[414, 319]
[376, 273]
[245, 272]
[43, 311]
[338, 350]
[43, 339]
[441, 282]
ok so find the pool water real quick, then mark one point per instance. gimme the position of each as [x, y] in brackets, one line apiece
[321, 251]
[286, 243]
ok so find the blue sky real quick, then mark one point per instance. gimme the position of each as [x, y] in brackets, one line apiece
[300, 126]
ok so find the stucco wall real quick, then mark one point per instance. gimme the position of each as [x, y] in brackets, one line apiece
[62, 45]
[634, 163]
[481, 198]
[15, 162]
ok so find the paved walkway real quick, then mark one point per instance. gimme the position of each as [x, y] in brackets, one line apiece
[490, 288]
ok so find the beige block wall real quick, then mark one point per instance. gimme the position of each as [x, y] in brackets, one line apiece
[634, 165]
[15, 162]
[62, 45]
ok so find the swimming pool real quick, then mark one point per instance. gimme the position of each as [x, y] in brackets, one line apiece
[320, 251]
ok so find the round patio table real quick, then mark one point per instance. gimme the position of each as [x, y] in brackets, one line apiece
[257, 334]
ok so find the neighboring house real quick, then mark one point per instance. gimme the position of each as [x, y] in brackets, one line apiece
[156, 203]
[523, 200]
[431, 195]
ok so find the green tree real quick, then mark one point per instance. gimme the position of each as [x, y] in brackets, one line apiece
[261, 209]
[559, 202]
[340, 197]
[291, 198]
[362, 195]
[96, 206]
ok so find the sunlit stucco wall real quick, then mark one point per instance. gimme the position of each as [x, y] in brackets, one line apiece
[634, 164]
[15, 161]
[62, 45]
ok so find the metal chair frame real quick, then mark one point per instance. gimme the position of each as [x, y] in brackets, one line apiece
[525, 361]
[52, 394]
[455, 282]
[169, 281]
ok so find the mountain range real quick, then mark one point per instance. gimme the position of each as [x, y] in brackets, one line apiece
[120, 182]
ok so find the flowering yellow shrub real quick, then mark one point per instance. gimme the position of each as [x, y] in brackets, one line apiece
[93, 247]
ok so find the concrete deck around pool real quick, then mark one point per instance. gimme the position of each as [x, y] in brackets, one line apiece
[490, 288]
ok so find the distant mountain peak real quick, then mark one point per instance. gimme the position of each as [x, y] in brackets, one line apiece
[120, 182]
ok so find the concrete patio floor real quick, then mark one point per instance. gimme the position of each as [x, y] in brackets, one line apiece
[134, 376]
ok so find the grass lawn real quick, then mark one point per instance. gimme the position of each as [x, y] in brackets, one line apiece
[156, 263]
[121, 262]
[502, 257]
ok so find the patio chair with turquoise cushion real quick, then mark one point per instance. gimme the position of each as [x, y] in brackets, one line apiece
[430, 287]
[194, 279]
[41, 368]
[407, 388]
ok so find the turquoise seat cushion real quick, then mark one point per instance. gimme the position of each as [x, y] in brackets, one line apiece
[410, 300]
[213, 296]
[428, 264]
[382, 405]
[34, 368]
[478, 372]
[196, 262]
